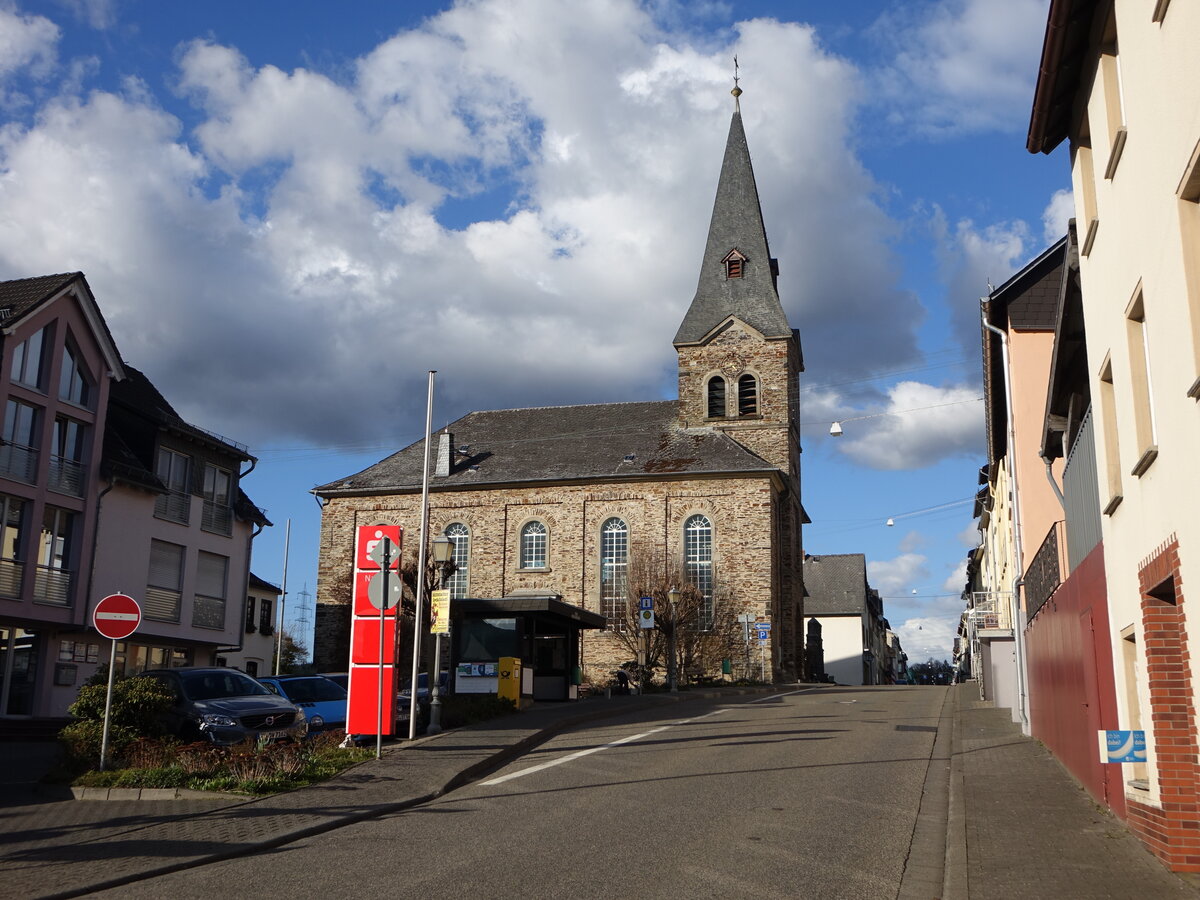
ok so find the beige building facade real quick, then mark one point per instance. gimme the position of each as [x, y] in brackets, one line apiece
[1120, 82]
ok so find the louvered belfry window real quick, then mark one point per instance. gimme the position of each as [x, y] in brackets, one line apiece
[747, 395]
[716, 397]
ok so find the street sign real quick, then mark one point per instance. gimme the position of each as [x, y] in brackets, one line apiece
[764, 633]
[646, 603]
[117, 616]
[646, 618]
[439, 611]
[763, 626]
[395, 590]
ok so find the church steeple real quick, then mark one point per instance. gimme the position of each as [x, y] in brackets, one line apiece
[737, 274]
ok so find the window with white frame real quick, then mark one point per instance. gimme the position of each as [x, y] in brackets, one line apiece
[697, 560]
[534, 539]
[614, 572]
[459, 581]
[218, 512]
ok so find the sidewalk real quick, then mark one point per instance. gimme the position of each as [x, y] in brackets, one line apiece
[1020, 826]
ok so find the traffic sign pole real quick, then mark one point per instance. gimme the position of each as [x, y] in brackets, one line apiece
[116, 616]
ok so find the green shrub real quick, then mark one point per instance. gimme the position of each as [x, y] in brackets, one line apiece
[137, 708]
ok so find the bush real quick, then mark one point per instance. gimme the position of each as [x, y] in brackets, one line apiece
[137, 708]
[248, 767]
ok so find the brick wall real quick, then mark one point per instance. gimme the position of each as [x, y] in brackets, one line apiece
[1171, 829]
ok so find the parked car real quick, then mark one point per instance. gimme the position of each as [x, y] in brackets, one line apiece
[225, 706]
[322, 699]
[423, 692]
[342, 679]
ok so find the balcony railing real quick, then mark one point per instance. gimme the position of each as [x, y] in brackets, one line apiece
[174, 506]
[19, 463]
[53, 586]
[217, 518]
[991, 610]
[11, 572]
[1046, 570]
[66, 476]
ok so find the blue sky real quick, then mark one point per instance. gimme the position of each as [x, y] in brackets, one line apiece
[290, 211]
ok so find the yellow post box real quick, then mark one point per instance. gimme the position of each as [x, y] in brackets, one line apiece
[509, 681]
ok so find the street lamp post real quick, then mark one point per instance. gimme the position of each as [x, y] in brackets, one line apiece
[443, 552]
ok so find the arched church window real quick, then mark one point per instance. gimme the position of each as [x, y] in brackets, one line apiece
[460, 579]
[534, 538]
[614, 565]
[716, 397]
[697, 563]
[747, 395]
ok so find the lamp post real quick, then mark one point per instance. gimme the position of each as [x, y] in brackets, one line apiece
[672, 662]
[443, 552]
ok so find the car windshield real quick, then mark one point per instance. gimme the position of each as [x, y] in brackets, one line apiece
[214, 685]
[311, 690]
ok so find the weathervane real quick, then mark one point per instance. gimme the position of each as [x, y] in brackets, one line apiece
[737, 91]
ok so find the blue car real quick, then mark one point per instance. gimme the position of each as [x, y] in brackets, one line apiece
[323, 701]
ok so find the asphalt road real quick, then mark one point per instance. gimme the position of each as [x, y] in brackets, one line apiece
[805, 794]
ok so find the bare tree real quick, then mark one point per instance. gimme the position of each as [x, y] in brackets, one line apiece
[689, 629]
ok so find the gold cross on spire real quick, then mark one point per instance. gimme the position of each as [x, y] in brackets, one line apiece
[737, 91]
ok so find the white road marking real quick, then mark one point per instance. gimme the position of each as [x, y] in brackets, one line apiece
[580, 753]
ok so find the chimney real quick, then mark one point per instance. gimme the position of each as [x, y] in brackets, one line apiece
[445, 452]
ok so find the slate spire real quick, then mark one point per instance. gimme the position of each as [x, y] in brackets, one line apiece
[736, 230]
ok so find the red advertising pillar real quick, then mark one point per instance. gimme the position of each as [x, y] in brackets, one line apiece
[376, 604]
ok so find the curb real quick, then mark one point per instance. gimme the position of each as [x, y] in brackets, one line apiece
[955, 884]
[99, 793]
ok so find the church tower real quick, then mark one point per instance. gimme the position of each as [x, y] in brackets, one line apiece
[739, 359]
[739, 373]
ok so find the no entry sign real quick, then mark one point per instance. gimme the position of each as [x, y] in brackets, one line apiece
[117, 616]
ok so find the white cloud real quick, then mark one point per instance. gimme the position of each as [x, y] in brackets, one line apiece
[920, 425]
[957, 579]
[961, 65]
[1057, 213]
[299, 246]
[897, 576]
[969, 537]
[971, 262]
[912, 541]
[28, 43]
[927, 637]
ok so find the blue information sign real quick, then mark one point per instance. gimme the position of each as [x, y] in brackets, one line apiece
[1122, 746]
[646, 603]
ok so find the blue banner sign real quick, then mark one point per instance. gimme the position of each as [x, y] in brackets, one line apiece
[1122, 746]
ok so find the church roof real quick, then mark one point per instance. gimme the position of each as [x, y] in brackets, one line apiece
[736, 224]
[610, 441]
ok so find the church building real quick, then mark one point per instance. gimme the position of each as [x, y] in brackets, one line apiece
[567, 502]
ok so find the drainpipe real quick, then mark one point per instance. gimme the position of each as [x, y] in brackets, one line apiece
[1062, 501]
[1019, 578]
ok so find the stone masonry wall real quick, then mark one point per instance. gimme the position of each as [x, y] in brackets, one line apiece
[746, 543]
